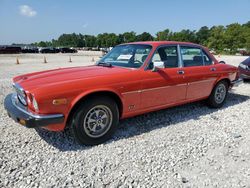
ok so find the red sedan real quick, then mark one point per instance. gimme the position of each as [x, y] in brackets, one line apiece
[132, 79]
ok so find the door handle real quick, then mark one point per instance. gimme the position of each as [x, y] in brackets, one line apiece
[213, 69]
[180, 71]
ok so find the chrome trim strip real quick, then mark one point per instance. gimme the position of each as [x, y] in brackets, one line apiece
[17, 86]
[151, 89]
[201, 81]
[14, 100]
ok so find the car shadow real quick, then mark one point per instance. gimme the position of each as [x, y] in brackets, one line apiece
[247, 81]
[144, 123]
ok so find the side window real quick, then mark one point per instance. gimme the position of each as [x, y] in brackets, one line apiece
[168, 55]
[191, 56]
[207, 59]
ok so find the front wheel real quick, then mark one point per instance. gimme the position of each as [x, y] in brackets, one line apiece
[95, 121]
[218, 95]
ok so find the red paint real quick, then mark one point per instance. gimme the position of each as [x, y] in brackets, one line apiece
[142, 89]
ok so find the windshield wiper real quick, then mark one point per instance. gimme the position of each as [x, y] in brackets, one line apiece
[104, 64]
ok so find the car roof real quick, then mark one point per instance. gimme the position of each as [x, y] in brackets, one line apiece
[159, 43]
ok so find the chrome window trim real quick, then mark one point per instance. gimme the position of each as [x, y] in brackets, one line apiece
[160, 46]
[202, 53]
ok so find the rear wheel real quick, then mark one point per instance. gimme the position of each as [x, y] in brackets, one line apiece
[218, 95]
[95, 121]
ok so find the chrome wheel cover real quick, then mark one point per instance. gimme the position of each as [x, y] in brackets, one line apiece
[220, 93]
[97, 121]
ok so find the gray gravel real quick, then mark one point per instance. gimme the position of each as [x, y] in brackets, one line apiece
[186, 146]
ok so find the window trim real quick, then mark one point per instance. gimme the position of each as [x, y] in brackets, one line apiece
[161, 46]
[205, 53]
[202, 54]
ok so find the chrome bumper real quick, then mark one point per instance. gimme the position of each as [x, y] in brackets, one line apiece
[20, 114]
[237, 82]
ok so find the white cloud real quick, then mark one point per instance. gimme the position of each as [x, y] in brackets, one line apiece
[26, 10]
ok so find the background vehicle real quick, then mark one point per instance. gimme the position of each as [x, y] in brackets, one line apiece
[49, 50]
[67, 50]
[30, 50]
[244, 69]
[131, 79]
[10, 50]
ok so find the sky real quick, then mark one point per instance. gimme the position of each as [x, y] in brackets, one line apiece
[27, 21]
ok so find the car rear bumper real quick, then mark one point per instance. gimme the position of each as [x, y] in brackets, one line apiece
[237, 82]
[20, 114]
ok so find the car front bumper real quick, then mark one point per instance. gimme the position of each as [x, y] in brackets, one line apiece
[20, 114]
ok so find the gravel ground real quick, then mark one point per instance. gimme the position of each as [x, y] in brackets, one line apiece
[185, 146]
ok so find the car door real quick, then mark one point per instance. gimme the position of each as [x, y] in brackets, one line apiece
[199, 70]
[167, 85]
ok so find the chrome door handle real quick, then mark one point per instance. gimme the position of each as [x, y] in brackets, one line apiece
[180, 71]
[213, 69]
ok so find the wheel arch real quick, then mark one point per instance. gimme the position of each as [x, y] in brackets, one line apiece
[80, 99]
[223, 79]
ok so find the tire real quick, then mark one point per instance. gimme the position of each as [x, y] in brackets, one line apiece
[87, 128]
[219, 94]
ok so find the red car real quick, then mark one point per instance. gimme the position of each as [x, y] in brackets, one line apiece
[244, 69]
[132, 79]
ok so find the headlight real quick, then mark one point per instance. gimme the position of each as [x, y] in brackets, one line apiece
[243, 66]
[34, 103]
[21, 94]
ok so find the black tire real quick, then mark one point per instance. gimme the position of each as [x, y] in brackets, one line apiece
[212, 100]
[81, 125]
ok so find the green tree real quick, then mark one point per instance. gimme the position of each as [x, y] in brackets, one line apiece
[233, 37]
[129, 37]
[183, 35]
[145, 36]
[216, 39]
[163, 35]
[202, 35]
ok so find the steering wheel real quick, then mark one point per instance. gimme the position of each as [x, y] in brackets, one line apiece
[138, 61]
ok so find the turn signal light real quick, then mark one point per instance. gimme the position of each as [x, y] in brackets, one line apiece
[59, 101]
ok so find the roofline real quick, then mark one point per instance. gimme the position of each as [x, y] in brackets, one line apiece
[162, 43]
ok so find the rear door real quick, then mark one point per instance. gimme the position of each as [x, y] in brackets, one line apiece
[200, 72]
[167, 85]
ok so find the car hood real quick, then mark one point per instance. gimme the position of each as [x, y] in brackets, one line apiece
[246, 61]
[64, 75]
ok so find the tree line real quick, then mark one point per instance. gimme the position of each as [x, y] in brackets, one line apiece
[222, 39]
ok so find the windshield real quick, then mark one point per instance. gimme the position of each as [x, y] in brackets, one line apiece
[131, 55]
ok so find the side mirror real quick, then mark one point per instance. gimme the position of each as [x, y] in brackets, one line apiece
[157, 65]
[222, 62]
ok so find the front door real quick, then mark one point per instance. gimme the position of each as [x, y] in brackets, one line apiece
[167, 85]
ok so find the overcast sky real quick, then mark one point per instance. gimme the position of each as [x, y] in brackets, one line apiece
[26, 21]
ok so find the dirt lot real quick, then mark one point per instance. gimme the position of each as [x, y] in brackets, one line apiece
[186, 146]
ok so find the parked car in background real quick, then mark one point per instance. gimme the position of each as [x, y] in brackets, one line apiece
[30, 50]
[131, 79]
[49, 50]
[244, 52]
[244, 69]
[67, 50]
[10, 50]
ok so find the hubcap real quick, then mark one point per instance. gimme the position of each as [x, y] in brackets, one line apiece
[97, 121]
[220, 93]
